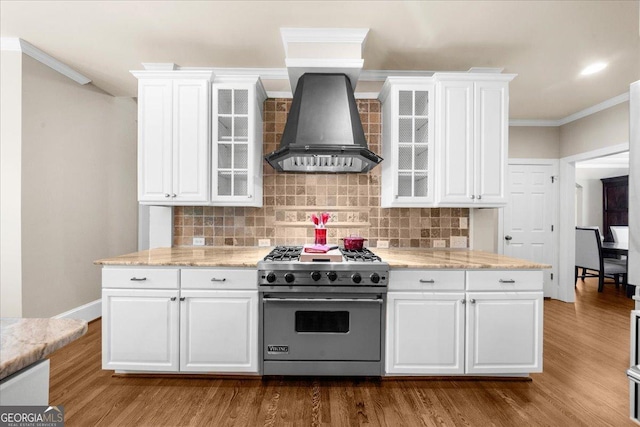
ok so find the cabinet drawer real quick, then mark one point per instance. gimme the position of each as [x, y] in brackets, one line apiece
[219, 278]
[426, 280]
[140, 278]
[504, 280]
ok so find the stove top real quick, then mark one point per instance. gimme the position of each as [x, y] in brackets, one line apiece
[292, 253]
[359, 268]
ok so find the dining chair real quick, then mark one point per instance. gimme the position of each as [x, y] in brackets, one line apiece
[589, 258]
[620, 233]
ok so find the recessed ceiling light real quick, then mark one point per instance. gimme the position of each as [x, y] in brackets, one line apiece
[594, 68]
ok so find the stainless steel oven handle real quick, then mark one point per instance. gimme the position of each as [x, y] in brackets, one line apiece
[379, 301]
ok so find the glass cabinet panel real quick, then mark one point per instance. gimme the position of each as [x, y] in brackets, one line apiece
[233, 142]
[413, 143]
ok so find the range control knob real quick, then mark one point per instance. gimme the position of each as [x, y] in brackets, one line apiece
[332, 275]
[356, 278]
[289, 277]
[271, 277]
[375, 278]
[316, 276]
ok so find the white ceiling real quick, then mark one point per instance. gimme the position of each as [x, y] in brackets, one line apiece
[546, 43]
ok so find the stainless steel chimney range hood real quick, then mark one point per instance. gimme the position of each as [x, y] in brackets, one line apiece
[323, 133]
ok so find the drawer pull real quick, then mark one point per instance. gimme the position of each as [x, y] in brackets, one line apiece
[507, 281]
[427, 281]
[218, 280]
[182, 298]
[138, 279]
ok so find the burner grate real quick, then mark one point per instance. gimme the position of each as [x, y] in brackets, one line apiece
[284, 253]
[360, 255]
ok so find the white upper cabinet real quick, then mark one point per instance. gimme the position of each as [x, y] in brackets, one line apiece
[408, 142]
[173, 137]
[472, 138]
[236, 167]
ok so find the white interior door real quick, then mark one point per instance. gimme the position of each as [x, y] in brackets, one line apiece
[528, 218]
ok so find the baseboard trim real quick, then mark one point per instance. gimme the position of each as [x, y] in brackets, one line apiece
[90, 311]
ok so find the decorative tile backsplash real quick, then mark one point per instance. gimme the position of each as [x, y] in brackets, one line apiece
[289, 200]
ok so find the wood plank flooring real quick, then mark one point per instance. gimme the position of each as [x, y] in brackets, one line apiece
[586, 353]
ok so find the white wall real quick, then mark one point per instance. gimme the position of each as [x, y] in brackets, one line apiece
[10, 190]
[589, 179]
[534, 142]
[78, 198]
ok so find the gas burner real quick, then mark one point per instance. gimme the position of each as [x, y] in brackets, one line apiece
[284, 253]
[360, 255]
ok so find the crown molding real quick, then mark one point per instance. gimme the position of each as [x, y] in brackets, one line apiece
[169, 74]
[612, 102]
[159, 66]
[15, 44]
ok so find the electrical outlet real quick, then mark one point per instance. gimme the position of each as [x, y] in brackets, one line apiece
[458, 241]
[439, 244]
[464, 223]
[383, 244]
[264, 242]
[198, 241]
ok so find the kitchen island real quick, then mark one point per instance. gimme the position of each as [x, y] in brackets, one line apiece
[197, 309]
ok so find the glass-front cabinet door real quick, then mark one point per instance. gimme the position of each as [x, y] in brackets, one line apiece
[237, 145]
[409, 139]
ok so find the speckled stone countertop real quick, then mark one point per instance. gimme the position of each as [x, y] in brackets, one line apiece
[234, 256]
[453, 259]
[26, 341]
[190, 256]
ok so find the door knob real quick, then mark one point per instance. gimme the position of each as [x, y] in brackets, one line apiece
[507, 237]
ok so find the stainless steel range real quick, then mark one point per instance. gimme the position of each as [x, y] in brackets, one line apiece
[322, 317]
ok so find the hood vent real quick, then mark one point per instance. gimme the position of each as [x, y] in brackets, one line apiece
[323, 133]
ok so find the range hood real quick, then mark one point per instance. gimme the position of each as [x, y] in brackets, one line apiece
[323, 133]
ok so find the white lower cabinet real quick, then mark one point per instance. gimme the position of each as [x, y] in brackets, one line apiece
[140, 329]
[504, 332]
[219, 331]
[473, 333]
[180, 330]
[425, 333]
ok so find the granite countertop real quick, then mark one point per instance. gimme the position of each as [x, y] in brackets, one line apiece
[234, 256]
[26, 341]
[191, 256]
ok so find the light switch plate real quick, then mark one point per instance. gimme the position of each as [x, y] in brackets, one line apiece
[439, 244]
[198, 241]
[264, 242]
[458, 241]
[383, 244]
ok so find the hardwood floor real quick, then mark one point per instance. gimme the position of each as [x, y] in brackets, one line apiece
[586, 353]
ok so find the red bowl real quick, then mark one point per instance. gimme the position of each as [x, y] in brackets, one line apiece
[353, 243]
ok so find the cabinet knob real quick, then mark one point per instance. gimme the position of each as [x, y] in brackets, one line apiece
[396, 196]
[182, 298]
[173, 195]
[479, 196]
[472, 301]
[249, 196]
[173, 298]
[167, 195]
[472, 197]
[464, 301]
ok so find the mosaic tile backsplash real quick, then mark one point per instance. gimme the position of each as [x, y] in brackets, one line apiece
[353, 201]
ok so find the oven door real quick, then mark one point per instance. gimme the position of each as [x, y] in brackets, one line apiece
[322, 329]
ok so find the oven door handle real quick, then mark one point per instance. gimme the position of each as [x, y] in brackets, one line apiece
[379, 301]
